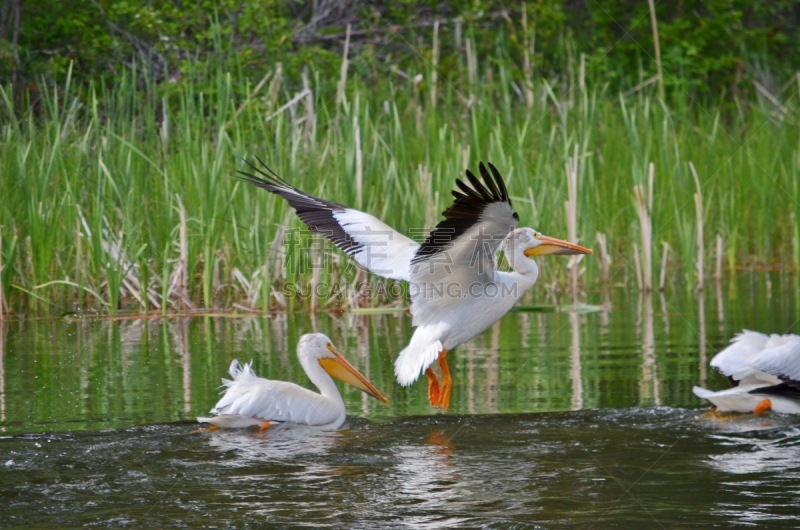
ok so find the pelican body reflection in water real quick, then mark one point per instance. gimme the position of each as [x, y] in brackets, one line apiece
[456, 290]
[254, 401]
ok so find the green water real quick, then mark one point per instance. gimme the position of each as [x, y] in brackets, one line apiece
[560, 415]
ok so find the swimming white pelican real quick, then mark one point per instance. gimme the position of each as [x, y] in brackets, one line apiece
[254, 401]
[765, 370]
[455, 288]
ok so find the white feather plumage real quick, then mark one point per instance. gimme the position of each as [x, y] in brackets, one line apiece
[455, 287]
[763, 367]
[250, 400]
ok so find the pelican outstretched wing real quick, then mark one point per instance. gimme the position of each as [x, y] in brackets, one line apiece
[372, 243]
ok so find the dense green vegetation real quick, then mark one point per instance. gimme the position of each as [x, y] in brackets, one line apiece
[117, 175]
[706, 47]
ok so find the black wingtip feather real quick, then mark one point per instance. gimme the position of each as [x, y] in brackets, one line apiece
[480, 190]
[466, 190]
[263, 178]
[490, 181]
[470, 201]
[317, 213]
[499, 180]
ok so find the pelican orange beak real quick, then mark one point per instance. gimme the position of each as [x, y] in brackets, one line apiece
[552, 246]
[338, 367]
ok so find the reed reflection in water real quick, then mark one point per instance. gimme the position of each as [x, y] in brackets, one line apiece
[560, 416]
[88, 374]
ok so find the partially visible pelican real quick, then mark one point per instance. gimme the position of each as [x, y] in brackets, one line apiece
[765, 372]
[250, 400]
[456, 290]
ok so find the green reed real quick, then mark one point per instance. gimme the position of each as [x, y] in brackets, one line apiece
[123, 198]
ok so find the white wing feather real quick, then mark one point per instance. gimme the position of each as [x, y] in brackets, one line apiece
[743, 347]
[782, 360]
[758, 362]
[372, 243]
[382, 250]
[757, 358]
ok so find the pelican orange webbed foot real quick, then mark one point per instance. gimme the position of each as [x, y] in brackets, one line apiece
[205, 429]
[433, 387]
[447, 381]
[763, 406]
[439, 396]
[252, 401]
[455, 288]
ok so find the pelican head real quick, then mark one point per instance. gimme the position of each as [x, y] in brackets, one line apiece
[318, 347]
[533, 243]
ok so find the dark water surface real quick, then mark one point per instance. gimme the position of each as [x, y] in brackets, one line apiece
[559, 418]
[645, 467]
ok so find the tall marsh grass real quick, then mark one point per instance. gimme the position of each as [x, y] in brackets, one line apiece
[121, 198]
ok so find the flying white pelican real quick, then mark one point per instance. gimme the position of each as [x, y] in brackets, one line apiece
[250, 400]
[455, 288]
[765, 372]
